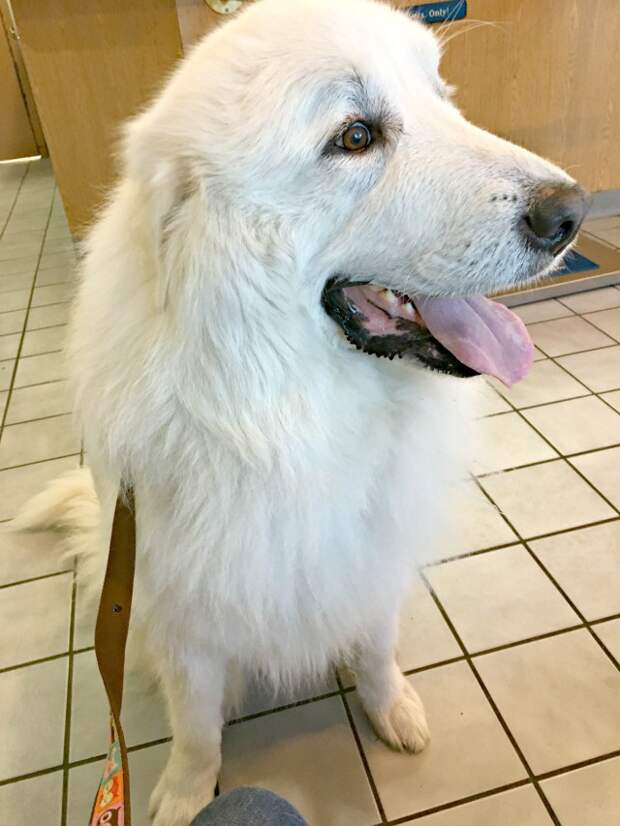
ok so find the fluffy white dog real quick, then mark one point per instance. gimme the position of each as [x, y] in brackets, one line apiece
[302, 197]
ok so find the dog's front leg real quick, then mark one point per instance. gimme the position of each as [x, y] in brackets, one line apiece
[390, 701]
[194, 689]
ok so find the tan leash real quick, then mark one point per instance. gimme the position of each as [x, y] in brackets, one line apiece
[112, 802]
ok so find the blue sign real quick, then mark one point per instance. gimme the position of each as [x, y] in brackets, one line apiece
[440, 12]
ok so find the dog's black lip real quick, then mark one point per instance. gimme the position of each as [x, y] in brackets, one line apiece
[411, 341]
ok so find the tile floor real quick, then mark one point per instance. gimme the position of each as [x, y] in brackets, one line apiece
[512, 638]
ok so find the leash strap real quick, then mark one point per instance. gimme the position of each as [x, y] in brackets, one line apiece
[112, 802]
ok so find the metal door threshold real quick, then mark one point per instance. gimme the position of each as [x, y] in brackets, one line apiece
[605, 274]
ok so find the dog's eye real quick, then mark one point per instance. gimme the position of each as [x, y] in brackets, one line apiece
[355, 137]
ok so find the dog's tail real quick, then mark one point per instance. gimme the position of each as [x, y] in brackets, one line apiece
[69, 506]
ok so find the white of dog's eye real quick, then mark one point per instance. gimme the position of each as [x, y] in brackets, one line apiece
[355, 138]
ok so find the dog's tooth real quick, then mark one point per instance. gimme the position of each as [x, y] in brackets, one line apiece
[374, 288]
[409, 309]
[390, 297]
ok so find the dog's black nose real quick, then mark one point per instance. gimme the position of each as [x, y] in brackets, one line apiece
[555, 214]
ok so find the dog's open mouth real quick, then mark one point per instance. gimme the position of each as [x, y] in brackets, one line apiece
[459, 336]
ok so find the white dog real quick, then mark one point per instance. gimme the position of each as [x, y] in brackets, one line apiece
[301, 197]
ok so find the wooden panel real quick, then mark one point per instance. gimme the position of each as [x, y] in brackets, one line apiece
[91, 65]
[16, 138]
[22, 75]
[543, 73]
[546, 75]
[196, 19]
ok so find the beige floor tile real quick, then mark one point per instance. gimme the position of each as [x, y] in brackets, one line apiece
[607, 320]
[34, 620]
[9, 346]
[477, 525]
[539, 355]
[28, 555]
[12, 322]
[3, 400]
[15, 300]
[19, 484]
[34, 801]
[49, 316]
[609, 634]
[519, 807]
[55, 275]
[567, 335]
[85, 617]
[592, 300]
[559, 697]
[47, 340]
[499, 597]
[28, 403]
[9, 251]
[603, 470]
[613, 399]
[586, 564]
[577, 425]
[546, 382]
[53, 294]
[6, 373]
[449, 768]
[588, 796]
[424, 636]
[487, 401]
[32, 724]
[27, 223]
[506, 441]
[607, 222]
[40, 369]
[598, 370]
[612, 236]
[145, 766]
[62, 244]
[38, 441]
[31, 235]
[541, 311]
[57, 259]
[18, 265]
[11, 283]
[308, 755]
[144, 712]
[546, 498]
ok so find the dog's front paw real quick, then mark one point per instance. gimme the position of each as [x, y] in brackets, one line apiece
[403, 725]
[177, 802]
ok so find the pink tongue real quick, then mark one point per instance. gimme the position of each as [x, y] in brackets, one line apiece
[483, 334]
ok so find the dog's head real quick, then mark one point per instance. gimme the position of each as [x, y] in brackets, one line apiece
[320, 138]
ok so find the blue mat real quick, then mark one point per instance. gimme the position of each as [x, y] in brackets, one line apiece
[575, 262]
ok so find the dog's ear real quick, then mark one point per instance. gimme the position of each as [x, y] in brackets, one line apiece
[157, 175]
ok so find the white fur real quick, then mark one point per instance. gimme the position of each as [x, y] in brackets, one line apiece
[286, 484]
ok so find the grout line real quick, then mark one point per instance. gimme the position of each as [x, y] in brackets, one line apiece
[472, 798]
[362, 754]
[26, 316]
[35, 306]
[69, 705]
[492, 703]
[553, 579]
[34, 579]
[517, 540]
[39, 419]
[17, 193]
[41, 660]
[51, 327]
[39, 461]
[592, 761]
